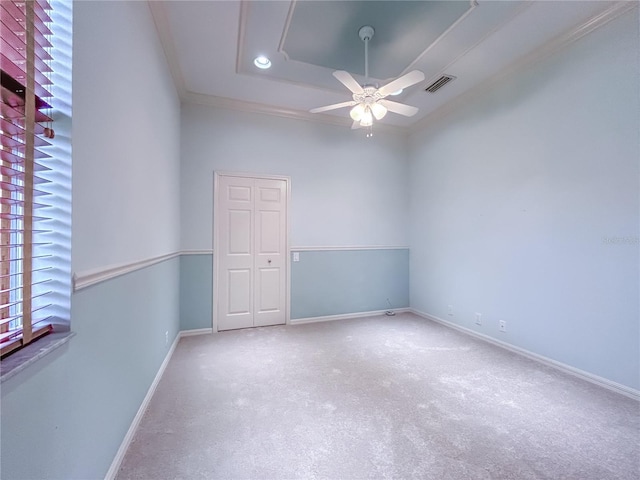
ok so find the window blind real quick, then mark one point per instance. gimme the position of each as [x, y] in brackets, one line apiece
[25, 130]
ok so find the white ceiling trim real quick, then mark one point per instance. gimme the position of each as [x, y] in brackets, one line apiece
[244, 9]
[549, 48]
[285, 30]
[472, 5]
[484, 38]
[159, 15]
[164, 32]
[251, 107]
[242, 29]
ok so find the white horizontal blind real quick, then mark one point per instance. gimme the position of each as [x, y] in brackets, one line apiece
[25, 126]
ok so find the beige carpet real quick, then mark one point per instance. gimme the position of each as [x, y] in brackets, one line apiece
[381, 397]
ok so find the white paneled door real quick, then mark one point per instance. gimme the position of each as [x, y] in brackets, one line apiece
[251, 251]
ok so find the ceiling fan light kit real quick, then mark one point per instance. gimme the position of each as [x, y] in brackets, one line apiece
[369, 100]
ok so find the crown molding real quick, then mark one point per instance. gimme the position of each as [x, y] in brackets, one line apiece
[253, 107]
[285, 30]
[159, 14]
[524, 6]
[472, 5]
[544, 51]
[244, 12]
[158, 11]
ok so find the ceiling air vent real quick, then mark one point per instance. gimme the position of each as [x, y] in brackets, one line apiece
[439, 83]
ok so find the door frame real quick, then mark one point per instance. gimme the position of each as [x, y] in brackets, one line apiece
[216, 263]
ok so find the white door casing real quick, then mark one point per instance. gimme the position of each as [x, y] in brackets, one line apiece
[250, 251]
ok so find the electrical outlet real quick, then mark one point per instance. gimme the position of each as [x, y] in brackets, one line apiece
[450, 310]
[478, 318]
[166, 337]
[503, 326]
[296, 256]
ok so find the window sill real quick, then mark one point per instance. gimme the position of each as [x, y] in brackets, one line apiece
[30, 354]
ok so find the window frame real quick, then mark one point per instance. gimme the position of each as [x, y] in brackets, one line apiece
[30, 249]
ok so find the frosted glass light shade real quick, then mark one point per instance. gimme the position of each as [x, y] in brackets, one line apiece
[379, 111]
[367, 118]
[357, 112]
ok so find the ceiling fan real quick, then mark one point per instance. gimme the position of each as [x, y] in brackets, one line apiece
[369, 100]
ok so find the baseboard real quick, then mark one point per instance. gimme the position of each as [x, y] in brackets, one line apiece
[346, 316]
[589, 377]
[197, 331]
[117, 461]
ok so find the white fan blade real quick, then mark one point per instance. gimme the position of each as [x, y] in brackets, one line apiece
[333, 107]
[348, 81]
[401, 108]
[355, 125]
[404, 81]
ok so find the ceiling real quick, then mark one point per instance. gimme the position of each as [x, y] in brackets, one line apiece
[211, 45]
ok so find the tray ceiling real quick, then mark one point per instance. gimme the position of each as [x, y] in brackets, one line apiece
[402, 30]
[211, 46]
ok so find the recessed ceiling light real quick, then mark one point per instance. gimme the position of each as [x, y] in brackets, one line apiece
[262, 62]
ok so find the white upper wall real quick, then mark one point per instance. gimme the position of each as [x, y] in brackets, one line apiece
[126, 138]
[525, 207]
[346, 189]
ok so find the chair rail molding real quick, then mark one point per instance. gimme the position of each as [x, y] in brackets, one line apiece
[91, 277]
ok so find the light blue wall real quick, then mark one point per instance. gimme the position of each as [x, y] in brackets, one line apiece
[322, 283]
[348, 281]
[65, 416]
[514, 196]
[510, 200]
[196, 291]
[346, 189]
[126, 138]
[74, 407]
